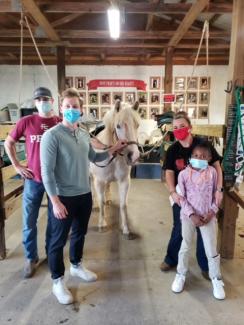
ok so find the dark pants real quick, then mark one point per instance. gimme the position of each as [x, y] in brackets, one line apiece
[79, 211]
[174, 244]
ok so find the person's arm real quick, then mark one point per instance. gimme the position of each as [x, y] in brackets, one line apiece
[10, 149]
[101, 156]
[48, 155]
[219, 189]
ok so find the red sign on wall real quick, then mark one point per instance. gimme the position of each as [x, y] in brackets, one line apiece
[168, 98]
[94, 84]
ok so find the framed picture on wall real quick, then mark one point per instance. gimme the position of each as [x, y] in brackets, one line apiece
[153, 112]
[117, 95]
[142, 97]
[192, 98]
[204, 83]
[192, 112]
[202, 112]
[154, 82]
[130, 97]
[105, 98]
[179, 98]
[94, 112]
[80, 83]
[155, 98]
[180, 83]
[69, 82]
[93, 98]
[104, 110]
[192, 83]
[83, 97]
[142, 112]
[204, 98]
[179, 108]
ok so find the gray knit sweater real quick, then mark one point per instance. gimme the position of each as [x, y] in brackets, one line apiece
[65, 156]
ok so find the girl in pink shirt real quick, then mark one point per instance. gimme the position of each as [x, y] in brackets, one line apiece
[197, 185]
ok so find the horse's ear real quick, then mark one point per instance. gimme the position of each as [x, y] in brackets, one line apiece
[135, 106]
[117, 105]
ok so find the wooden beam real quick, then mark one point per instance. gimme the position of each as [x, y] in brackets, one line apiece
[61, 68]
[36, 13]
[214, 19]
[186, 23]
[168, 79]
[65, 20]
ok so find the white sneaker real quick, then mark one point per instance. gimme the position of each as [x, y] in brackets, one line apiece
[178, 284]
[218, 289]
[61, 292]
[83, 273]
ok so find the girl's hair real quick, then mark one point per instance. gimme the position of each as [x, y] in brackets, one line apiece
[71, 93]
[204, 145]
[182, 114]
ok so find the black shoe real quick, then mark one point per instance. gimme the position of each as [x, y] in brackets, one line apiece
[164, 267]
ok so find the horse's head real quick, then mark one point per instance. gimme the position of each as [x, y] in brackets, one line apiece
[122, 122]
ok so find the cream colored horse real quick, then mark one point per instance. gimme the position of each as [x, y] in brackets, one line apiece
[121, 122]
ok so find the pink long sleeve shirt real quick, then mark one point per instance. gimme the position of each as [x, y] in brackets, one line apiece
[197, 188]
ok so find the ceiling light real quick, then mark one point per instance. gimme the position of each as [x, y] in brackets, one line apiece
[114, 22]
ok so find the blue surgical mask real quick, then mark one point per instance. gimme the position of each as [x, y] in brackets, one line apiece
[43, 107]
[72, 115]
[198, 163]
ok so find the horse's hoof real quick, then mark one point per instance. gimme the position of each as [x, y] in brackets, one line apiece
[108, 202]
[102, 229]
[130, 236]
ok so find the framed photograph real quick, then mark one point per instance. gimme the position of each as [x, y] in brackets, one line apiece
[192, 112]
[69, 82]
[202, 112]
[130, 97]
[155, 82]
[179, 98]
[180, 83]
[142, 97]
[83, 97]
[192, 83]
[153, 112]
[105, 98]
[192, 98]
[155, 98]
[93, 98]
[204, 98]
[117, 95]
[204, 83]
[143, 112]
[179, 108]
[80, 83]
[104, 110]
[94, 112]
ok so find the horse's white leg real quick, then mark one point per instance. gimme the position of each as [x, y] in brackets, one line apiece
[108, 199]
[100, 190]
[123, 192]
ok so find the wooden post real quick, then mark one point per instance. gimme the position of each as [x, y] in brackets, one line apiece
[236, 75]
[168, 79]
[61, 68]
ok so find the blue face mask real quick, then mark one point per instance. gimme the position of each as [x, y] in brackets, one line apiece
[43, 107]
[72, 115]
[198, 163]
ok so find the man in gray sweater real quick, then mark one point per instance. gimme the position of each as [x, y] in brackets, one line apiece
[65, 155]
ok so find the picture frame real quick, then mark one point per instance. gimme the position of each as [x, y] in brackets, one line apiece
[192, 97]
[155, 82]
[142, 97]
[118, 94]
[153, 112]
[204, 98]
[69, 83]
[204, 83]
[93, 98]
[142, 112]
[155, 98]
[179, 98]
[192, 83]
[203, 112]
[94, 111]
[180, 83]
[192, 112]
[80, 83]
[104, 110]
[105, 98]
[130, 97]
[83, 97]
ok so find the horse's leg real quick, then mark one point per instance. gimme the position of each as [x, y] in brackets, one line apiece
[108, 200]
[100, 190]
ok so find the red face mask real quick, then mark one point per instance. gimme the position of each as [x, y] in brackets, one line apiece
[181, 134]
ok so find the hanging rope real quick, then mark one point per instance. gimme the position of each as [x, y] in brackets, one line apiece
[21, 55]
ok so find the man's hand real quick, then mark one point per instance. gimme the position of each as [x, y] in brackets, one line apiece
[59, 209]
[24, 171]
[176, 198]
[196, 220]
[218, 198]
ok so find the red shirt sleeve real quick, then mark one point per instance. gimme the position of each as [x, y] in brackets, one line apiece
[19, 130]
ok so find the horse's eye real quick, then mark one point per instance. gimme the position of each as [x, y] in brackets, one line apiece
[118, 126]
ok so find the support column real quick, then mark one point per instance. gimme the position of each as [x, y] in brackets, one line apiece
[168, 79]
[61, 68]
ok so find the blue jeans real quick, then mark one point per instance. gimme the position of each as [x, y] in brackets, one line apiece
[32, 198]
[174, 244]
